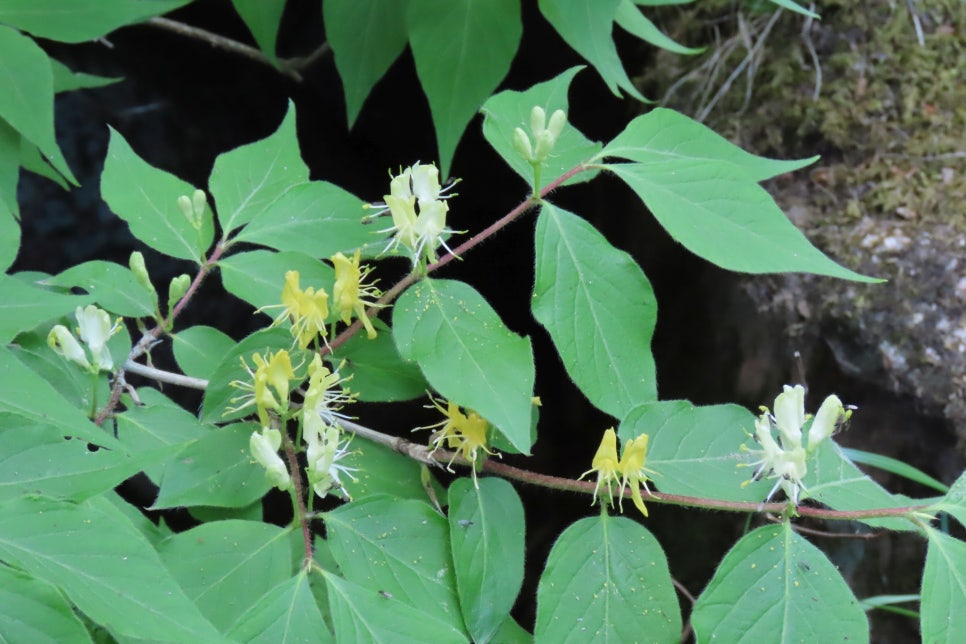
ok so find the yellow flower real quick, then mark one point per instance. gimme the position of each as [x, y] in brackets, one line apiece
[465, 434]
[322, 402]
[307, 310]
[349, 290]
[272, 371]
[606, 464]
[634, 472]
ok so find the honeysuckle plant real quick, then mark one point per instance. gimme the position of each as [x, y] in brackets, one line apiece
[399, 534]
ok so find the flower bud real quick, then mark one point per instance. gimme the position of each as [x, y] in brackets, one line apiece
[176, 290]
[141, 272]
[538, 120]
[544, 145]
[521, 143]
[830, 415]
[184, 205]
[65, 344]
[198, 203]
[557, 121]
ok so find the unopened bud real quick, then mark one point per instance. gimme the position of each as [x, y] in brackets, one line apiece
[544, 145]
[198, 203]
[521, 143]
[184, 205]
[141, 271]
[538, 120]
[557, 121]
[177, 289]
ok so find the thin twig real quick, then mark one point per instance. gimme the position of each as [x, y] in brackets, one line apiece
[165, 376]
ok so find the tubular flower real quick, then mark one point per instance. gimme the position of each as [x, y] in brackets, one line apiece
[465, 434]
[264, 448]
[307, 310]
[322, 455]
[422, 231]
[634, 472]
[606, 464]
[272, 371]
[322, 402]
[94, 328]
[785, 459]
[349, 291]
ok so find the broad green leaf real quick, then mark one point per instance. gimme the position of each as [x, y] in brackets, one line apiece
[208, 514]
[399, 547]
[508, 110]
[726, 218]
[510, 632]
[24, 305]
[10, 141]
[247, 180]
[37, 459]
[262, 18]
[103, 564]
[467, 354]
[606, 580]
[220, 392]
[954, 502]
[775, 586]
[486, 531]
[633, 21]
[9, 237]
[664, 135]
[199, 350]
[285, 614]
[694, 451]
[144, 428]
[316, 218]
[258, 276]
[587, 26]
[362, 614]
[74, 22]
[110, 285]
[600, 311]
[217, 470]
[65, 79]
[379, 374]
[381, 471]
[24, 393]
[226, 566]
[147, 199]
[366, 37]
[27, 99]
[894, 466]
[34, 611]
[943, 606]
[74, 384]
[118, 506]
[462, 49]
[31, 159]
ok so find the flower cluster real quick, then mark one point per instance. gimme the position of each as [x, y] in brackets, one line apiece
[94, 328]
[545, 135]
[464, 433]
[350, 291]
[784, 457]
[627, 471]
[419, 230]
[325, 396]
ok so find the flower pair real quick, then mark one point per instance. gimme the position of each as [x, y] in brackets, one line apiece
[94, 328]
[627, 471]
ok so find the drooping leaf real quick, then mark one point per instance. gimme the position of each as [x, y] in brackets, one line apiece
[262, 17]
[65, 79]
[462, 49]
[24, 306]
[587, 26]
[33, 160]
[379, 373]
[771, 586]
[398, 547]
[486, 529]
[75, 22]
[258, 276]
[600, 311]
[467, 354]
[508, 110]
[606, 579]
[286, 614]
[316, 218]
[249, 179]
[381, 471]
[103, 565]
[34, 611]
[199, 349]
[110, 285]
[726, 218]
[366, 37]
[943, 607]
[241, 560]
[147, 199]
[27, 101]
[633, 21]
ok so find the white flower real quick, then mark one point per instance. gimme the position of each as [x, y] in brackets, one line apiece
[65, 344]
[94, 327]
[264, 447]
[831, 415]
[790, 415]
[322, 456]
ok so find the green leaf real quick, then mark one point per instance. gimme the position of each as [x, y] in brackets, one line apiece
[9, 234]
[382, 471]
[510, 632]
[379, 374]
[894, 466]
[399, 547]
[103, 564]
[31, 159]
[600, 311]
[220, 392]
[285, 614]
[726, 218]
[249, 179]
[367, 615]
[21, 391]
[467, 354]
[694, 451]
[65, 79]
[943, 606]
[954, 502]
[508, 110]
[34, 611]
[664, 135]
[27, 101]
[74, 22]
[293, 221]
[775, 586]
[258, 276]
[147, 199]
[486, 530]
[74, 384]
[10, 141]
[143, 428]
[199, 349]
[111, 285]
[462, 49]
[240, 560]
[24, 305]
[606, 580]
[366, 37]
[633, 21]
[587, 26]
[797, 8]
[217, 470]
[262, 17]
